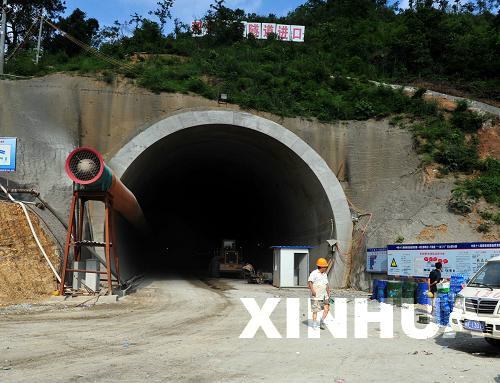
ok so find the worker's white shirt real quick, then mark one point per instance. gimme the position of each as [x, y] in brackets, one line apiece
[319, 281]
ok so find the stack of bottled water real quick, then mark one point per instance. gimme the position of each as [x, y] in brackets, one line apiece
[456, 282]
[443, 308]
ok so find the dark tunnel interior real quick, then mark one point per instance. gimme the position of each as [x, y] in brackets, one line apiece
[208, 183]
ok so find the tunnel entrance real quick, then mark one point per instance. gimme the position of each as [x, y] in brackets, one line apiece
[203, 183]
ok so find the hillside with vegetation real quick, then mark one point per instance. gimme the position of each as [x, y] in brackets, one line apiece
[347, 44]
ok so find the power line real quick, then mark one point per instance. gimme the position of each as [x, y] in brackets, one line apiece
[74, 40]
[28, 35]
[91, 49]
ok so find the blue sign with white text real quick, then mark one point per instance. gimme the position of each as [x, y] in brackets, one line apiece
[376, 260]
[8, 146]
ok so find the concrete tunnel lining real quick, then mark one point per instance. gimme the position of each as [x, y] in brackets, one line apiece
[257, 131]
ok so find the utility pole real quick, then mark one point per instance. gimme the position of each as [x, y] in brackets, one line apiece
[39, 39]
[3, 31]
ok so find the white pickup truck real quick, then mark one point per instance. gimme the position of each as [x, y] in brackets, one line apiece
[477, 307]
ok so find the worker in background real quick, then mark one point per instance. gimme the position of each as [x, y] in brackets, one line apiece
[320, 292]
[435, 278]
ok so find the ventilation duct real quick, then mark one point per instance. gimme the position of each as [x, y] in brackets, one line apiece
[86, 168]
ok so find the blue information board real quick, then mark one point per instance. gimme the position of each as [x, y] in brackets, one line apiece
[8, 146]
[376, 260]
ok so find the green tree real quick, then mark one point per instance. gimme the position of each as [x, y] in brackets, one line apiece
[146, 38]
[77, 25]
[22, 14]
[163, 12]
[224, 24]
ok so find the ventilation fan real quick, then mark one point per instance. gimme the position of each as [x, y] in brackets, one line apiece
[85, 166]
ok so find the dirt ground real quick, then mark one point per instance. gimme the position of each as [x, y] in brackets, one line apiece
[489, 140]
[25, 275]
[446, 88]
[188, 331]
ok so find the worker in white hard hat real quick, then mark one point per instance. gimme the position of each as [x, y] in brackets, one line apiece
[320, 292]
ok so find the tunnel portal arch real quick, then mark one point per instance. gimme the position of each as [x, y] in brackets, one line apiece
[180, 123]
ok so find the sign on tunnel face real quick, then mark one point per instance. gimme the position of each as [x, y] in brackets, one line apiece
[8, 147]
[417, 260]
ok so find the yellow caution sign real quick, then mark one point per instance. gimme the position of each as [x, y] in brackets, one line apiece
[393, 263]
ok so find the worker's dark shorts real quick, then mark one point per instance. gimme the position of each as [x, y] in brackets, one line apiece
[318, 305]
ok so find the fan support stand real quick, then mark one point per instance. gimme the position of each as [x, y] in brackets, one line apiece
[75, 242]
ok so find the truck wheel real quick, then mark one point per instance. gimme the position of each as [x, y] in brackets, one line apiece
[493, 342]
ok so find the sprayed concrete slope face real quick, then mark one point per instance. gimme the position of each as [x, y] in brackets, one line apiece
[45, 119]
[203, 176]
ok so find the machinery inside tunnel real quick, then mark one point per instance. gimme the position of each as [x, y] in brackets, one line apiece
[200, 185]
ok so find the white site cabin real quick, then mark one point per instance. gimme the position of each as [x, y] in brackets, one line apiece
[290, 266]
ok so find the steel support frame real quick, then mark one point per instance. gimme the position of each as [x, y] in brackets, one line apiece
[75, 233]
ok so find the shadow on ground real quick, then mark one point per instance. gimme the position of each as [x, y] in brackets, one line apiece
[475, 346]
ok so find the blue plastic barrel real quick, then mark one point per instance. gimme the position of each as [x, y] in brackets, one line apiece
[422, 289]
[381, 291]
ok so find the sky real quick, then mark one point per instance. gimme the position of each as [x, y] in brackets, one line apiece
[107, 11]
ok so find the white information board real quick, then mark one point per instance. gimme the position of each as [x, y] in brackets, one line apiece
[376, 260]
[418, 260]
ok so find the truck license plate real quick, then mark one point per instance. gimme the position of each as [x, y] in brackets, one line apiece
[474, 325]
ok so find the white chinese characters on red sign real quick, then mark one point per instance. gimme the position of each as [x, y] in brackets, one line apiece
[254, 29]
[297, 33]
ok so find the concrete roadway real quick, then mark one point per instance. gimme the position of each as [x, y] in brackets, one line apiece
[188, 331]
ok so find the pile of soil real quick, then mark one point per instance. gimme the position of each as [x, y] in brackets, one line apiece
[25, 275]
